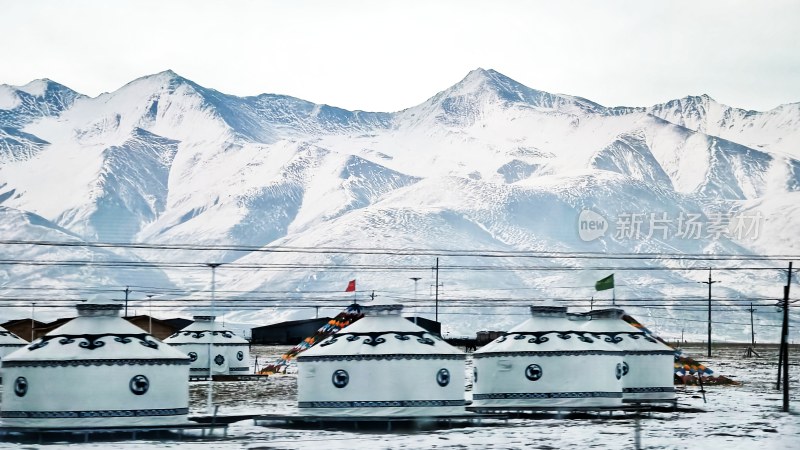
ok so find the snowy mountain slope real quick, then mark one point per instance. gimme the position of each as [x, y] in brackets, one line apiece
[453, 213]
[771, 130]
[21, 105]
[487, 164]
[16, 145]
[44, 282]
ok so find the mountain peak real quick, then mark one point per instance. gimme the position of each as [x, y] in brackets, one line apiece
[40, 87]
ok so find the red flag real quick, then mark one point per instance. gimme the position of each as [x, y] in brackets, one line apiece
[351, 286]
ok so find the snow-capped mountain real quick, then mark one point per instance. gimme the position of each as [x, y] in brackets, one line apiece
[771, 130]
[488, 165]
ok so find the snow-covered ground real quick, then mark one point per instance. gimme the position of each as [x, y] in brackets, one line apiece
[738, 417]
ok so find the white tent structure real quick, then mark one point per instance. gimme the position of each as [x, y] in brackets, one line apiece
[547, 362]
[204, 338]
[9, 342]
[381, 366]
[95, 371]
[647, 363]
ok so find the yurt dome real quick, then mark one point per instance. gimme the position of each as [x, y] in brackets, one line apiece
[546, 362]
[382, 365]
[230, 354]
[9, 342]
[97, 370]
[647, 365]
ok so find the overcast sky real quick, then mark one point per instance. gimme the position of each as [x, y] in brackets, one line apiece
[388, 55]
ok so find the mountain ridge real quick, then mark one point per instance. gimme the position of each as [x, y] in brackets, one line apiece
[486, 164]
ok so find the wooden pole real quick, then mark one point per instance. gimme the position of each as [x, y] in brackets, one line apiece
[785, 339]
[709, 283]
[437, 291]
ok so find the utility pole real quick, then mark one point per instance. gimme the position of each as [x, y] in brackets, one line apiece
[127, 291]
[210, 397]
[33, 309]
[785, 340]
[416, 279]
[752, 327]
[437, 290]
[150, 316]
[709, 283]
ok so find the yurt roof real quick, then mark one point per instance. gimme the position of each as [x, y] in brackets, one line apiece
[98, 333]
[382, 331]
[203, 330]
[609, 322]
[549, 329]
[8, 338]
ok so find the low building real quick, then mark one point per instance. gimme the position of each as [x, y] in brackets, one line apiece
[294, 331]
[212, 349]
[23, 328]
[96, 370]
[381, 366]
[287, 333]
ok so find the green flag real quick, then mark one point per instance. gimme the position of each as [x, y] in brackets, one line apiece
[605, 284]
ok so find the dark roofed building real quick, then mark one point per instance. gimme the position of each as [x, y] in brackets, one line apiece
[22, 328]
[431, 326]
[178, 323]
[287, 333]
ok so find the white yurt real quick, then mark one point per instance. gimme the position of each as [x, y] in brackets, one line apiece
[95, 371]
[647, 363]
[546, 362]
[382, 365]
[9, 342]
[230, 354]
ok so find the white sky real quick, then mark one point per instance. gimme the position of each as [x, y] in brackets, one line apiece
[386, 55]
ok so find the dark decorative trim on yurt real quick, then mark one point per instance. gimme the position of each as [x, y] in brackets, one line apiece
[640, 390]
[443, 377]
[198, 334]
[238, 369]
[89, 414]
[13, 345]
[340, 378]
[390, 357]
[540, 337]
[240, 355]
[215, 344]
[99, 362]
[92, 341]
[533, 372]
[374, 338]
[81, 307]
[192, 356]
[139, 385]
[383, 404]
[219, 360]
[574, 353]
[20, 386]
[530, 395]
